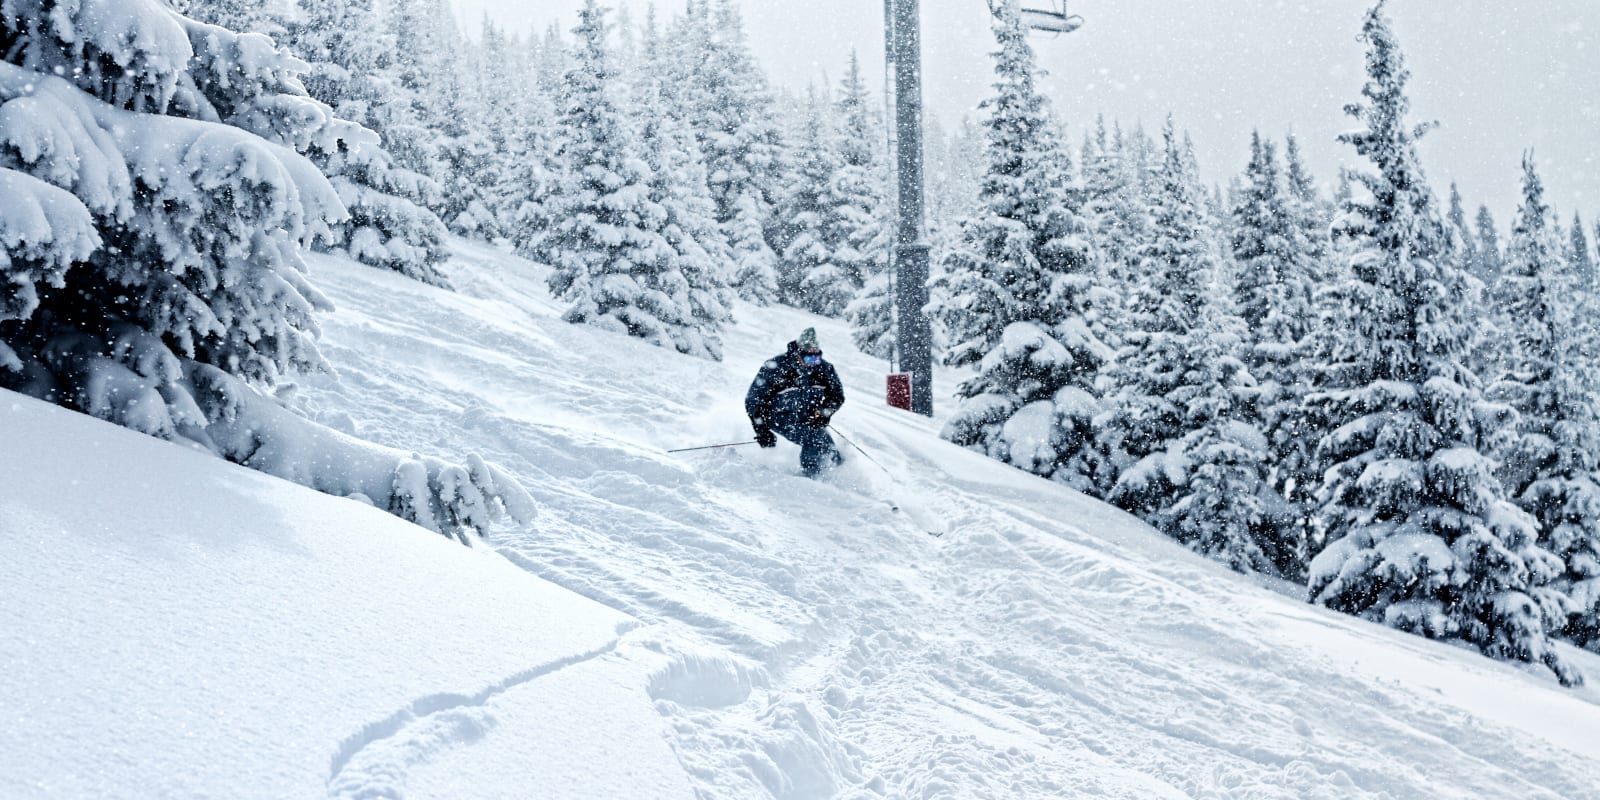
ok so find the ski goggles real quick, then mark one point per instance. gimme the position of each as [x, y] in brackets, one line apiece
[811, 359]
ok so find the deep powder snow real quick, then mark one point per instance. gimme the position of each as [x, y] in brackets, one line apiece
[766, 636]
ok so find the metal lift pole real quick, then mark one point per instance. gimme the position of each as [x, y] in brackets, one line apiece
[915, 334]
[893, 197]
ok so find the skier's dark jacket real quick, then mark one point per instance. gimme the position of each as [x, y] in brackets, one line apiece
[787, 372]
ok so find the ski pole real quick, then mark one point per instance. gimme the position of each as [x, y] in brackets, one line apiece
[893, 506]
[862, 452]
[711, 447]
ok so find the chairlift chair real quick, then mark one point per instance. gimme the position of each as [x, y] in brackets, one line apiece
[1051, 19]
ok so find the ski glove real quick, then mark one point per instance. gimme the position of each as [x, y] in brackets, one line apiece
[764, 435]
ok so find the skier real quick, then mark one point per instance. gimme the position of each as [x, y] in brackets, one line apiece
[795, 395]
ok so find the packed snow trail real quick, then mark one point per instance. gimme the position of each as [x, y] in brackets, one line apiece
[820, 645]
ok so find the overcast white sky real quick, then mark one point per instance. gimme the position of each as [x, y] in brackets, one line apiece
[1499, 76]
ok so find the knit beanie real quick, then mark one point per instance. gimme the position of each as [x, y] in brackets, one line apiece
[808, 341]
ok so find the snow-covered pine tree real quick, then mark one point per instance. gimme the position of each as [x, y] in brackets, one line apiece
[1421, 535]
[858, 215]
[744, 225]
[1224, 509]
[955, 165]
[604, 231]
[1294, 432]
[830, 215]
[1178, 423]
[1341, 239]
[1461, 228]
[733, 116]
[1018, 282]
[1117, 208]
[1486, 263]
[627, 51]
[696, 277]
[528, 129]
[1144, 424]
[388, 227]
[44, 232]
[529, 171]
[469, 161]
[1312, 213]
[156, 213]
[1215, 210]
[410, 71]
[808, 275]
[1490, 341]
[133, 288]
[1582, 258]
[872, 317]
[242, 16]
[1114, 204]
[954, 194]
[504, 83]
[1488, 351]
[550, 59]
[1218, 206]
[1274, 280]
[1093, 160]
[1549, 462]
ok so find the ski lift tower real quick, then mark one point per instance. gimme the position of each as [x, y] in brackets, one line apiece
[903, 49]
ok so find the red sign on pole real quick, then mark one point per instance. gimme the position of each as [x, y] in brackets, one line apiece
[899, 390]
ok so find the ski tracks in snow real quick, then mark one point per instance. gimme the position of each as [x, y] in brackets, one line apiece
[374, 762]
[801, 640]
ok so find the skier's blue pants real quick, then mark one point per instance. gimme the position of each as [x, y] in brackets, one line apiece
[794, 418]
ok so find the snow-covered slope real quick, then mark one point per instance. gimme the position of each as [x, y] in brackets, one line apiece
[175, 626]
[765, 636]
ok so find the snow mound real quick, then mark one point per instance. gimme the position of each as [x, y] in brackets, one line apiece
[175, 626]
